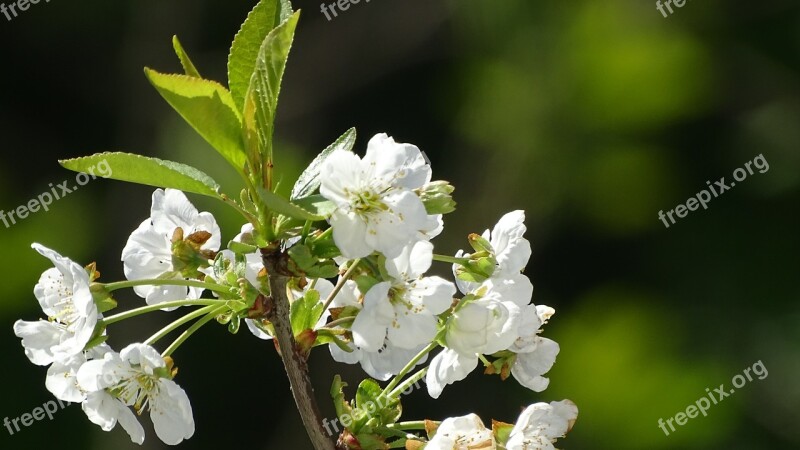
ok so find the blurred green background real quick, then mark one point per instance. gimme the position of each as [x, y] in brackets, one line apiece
[590, 115]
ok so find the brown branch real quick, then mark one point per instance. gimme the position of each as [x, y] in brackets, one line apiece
[293, 358]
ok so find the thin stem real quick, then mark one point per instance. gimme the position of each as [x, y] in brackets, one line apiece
[406, 384]
[189, 331]
[340, 284]
[410, 425]
[232, 203]
[150, 308]
[338, 322]
[450, 259]
[176, 324]
[166, 282]
[411, 364]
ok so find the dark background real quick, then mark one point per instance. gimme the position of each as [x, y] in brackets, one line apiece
[590, 115]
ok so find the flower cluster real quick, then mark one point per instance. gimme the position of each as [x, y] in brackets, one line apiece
[538, 427]
[384, 310]
[85, 370]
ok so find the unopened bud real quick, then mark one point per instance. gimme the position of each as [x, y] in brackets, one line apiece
[437, 197]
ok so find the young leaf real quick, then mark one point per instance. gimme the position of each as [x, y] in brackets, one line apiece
[266, 15]
[186, 62]
[283, 206]
[208, 107]
[309, 180]
[261, 101]
[145, 170]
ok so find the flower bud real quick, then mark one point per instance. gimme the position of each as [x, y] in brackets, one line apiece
[437, 197]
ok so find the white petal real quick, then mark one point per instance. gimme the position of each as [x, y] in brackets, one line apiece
[143, 355]
[413, 261]
[515, 288]
[448, 367]
[342, 356]
[390, 231]
[341, 175]
[162, 294]
[349, 234]
[542, 424]
[389, 361]
[409, 329]
[435, 293]
[171, 209]
[529, 367]
[62, 379]
[370, 325]
[399, 165]
[105, 410]
[171, 413]
[38, 339]
[466, 432]
[257, 332]
[509, 229]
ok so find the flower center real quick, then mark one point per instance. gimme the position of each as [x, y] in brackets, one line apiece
[367, 201]
[136, 391]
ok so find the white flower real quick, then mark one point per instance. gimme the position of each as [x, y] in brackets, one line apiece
[148, 252]
[64, 295]
[541, 424]
[381, 364]
[462, 433]
[376, 206]
[62, 376]
[404, 310]
[136, 377]
[448, 367]
[511, 250]
[483, 326]
[535, 354]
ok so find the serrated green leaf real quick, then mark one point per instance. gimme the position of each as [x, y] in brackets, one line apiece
[286, 10]
[145, 170]
[186, 62]
[208, 107]
[261, 100]
[264, 17]
[283, 206]
[309, 180]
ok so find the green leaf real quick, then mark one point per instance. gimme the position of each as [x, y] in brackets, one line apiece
[317, 205]
[261, 100]
[341, 405]
[304, 313]
[283, 206]
[369, 400]
[309, 180]
[144, 170]
[186, 62]
[266, 15]
[208, 107]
